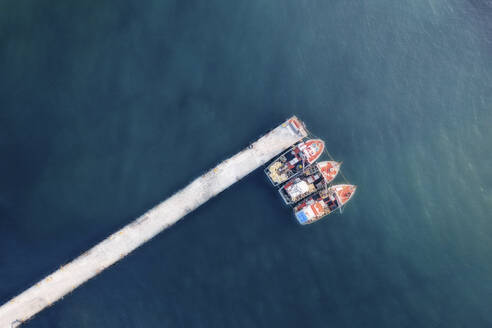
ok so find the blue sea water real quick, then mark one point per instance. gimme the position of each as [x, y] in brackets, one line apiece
[109, 107]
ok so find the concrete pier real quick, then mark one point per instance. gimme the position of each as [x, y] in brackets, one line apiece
[121, 243]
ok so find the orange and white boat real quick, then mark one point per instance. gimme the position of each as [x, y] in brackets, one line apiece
[313, 179]
[324, 202]
[294, 161]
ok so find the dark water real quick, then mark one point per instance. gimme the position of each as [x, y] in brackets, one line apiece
[107, 108]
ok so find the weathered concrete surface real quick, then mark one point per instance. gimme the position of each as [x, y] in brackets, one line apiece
[122, 242]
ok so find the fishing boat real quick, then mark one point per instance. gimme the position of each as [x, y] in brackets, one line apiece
[324, 202]
[313, 179]
[294, 161]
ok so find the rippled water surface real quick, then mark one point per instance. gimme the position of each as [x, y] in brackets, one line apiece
[108, 107]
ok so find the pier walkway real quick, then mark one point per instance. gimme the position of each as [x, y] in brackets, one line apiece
[64, 280]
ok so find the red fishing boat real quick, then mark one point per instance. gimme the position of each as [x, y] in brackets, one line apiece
[323, 203]
[294, 161]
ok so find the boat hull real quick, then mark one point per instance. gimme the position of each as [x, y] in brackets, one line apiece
[323, 203]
